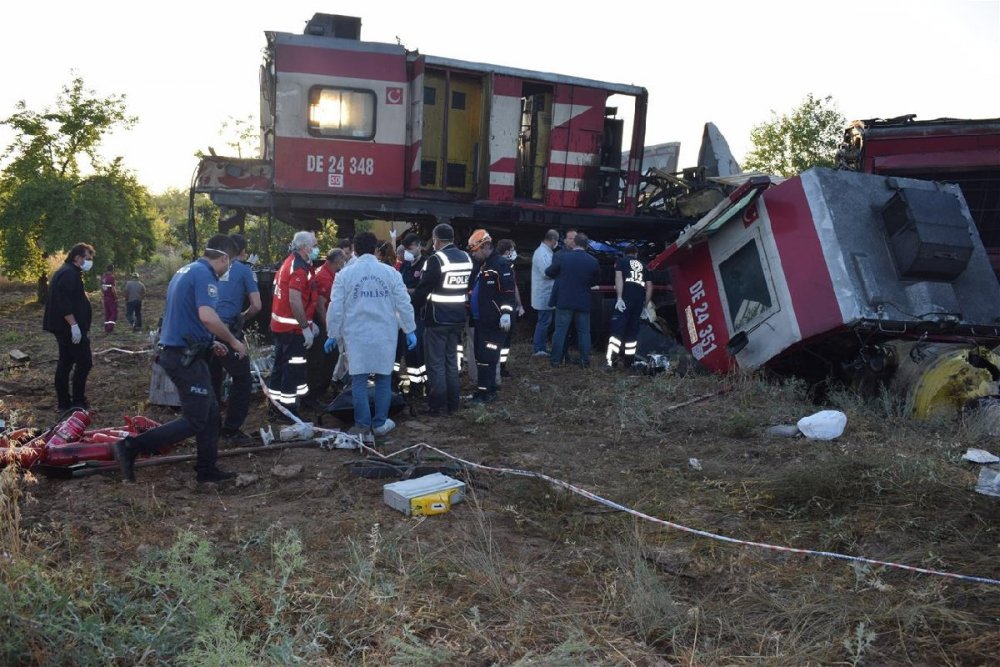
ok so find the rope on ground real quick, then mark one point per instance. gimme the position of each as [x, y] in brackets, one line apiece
[676, 526]
[121, 350]
[641, 515]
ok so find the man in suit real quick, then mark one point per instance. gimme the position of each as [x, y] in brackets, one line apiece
[575, 272]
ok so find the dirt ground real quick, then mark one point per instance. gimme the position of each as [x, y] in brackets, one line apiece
[525, 573]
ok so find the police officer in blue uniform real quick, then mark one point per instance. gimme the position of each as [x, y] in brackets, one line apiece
[191, 331]
[240, 286]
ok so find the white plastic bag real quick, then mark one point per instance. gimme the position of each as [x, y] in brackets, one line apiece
[824, 425]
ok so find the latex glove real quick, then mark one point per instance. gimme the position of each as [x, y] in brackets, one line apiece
[411, 340]
[329, 345]
[308, 334]
[505, 321]
[76, 334]
[644, 315]
[520, 311]
[620, 305]
[253, 259]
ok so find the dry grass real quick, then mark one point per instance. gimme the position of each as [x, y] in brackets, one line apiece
[318, 571]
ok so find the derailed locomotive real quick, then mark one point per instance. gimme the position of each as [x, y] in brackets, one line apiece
[867, 277]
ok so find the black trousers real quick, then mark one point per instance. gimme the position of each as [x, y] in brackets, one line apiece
[440, 353]
[288, 377]
[624, 339]
[75, 359]
[133, 312]
[239, 393]
[488, 342]
[199, 411]
[320, 365]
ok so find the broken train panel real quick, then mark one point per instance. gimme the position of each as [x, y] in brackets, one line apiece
[826, 273]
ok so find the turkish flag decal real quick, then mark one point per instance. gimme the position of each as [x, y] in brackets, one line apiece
[393, 95]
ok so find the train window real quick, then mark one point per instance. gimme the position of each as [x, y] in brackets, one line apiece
[457, 99]
[430, 96]
[342, 112]
[745, 286]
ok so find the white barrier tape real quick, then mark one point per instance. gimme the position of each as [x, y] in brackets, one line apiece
[694, 531]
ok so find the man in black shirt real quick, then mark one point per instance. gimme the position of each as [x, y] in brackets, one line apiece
[634, 290]
[67, 317]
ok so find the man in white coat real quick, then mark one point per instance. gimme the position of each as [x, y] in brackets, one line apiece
[541, 291]
[368, 305]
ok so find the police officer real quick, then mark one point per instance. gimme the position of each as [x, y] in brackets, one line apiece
[634, 291]
[191, 331]
[240, 286]
[292, 311]
[67, 317]
[491, 301]
[441, 296]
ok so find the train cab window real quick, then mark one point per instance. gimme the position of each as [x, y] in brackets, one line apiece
[341, 112]
[746, 287]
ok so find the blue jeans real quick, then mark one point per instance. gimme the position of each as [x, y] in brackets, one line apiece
[581, 318]
[359, 396]
[542, 329]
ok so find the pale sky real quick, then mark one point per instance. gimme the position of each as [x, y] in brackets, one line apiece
[186, 66]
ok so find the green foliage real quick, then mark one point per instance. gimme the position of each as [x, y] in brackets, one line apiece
[47, 205]
[791, 143]
[172, 207]
[182, 606]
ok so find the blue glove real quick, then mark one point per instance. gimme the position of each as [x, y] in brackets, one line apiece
[411, 340]
[329, 345]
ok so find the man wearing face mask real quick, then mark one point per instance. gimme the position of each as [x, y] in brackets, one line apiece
[67, 317]
[191, 331]
[414, 374]
[292, 310]
[239, 285]
[507, 250]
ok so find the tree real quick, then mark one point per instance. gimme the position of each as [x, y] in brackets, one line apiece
[791, 143]
[47, 203]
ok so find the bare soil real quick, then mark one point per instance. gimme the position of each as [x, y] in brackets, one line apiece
[526, 573]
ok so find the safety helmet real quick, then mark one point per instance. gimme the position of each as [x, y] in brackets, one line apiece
[478, 238]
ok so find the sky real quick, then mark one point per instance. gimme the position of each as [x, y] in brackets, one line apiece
[186, 67]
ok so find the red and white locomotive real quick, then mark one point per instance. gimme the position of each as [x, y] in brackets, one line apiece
[357, 130]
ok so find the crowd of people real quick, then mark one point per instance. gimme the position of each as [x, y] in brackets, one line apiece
[367, 312]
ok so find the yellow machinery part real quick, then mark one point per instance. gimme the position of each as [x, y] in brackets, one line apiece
[939, 379]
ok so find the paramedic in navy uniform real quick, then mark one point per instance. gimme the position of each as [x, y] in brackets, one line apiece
[188, 336]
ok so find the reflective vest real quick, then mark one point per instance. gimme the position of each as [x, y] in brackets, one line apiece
[446, 303]
[295, 274]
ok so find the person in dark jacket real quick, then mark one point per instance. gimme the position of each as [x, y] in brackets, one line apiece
[575, 273]
[441, 297]
[491, 301]
[67, 317]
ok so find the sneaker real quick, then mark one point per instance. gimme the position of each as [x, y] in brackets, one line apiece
[540, 353]
[384, 428]
[215, 476]
[236, 437]
[125, 456]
